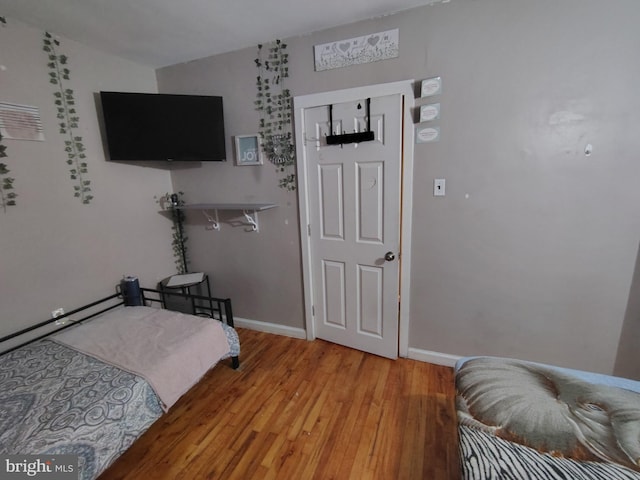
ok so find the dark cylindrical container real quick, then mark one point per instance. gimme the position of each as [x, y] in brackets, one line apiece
[130, 288]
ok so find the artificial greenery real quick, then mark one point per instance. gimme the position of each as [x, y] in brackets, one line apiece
[68, 119]
[273, 101]
[7, 195]
[178, 238]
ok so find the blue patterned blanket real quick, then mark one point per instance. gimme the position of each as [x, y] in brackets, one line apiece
[56, 400]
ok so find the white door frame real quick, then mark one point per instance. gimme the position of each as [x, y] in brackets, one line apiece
[300, 103]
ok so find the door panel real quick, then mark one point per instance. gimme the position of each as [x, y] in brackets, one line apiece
[334, 294]
[370, 296]
[369, 206]
[354, 203]
[331, 204]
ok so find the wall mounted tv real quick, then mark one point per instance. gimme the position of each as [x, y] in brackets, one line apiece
[154, 126]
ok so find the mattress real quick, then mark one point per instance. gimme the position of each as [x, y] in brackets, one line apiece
[57, 400]
[171, 350]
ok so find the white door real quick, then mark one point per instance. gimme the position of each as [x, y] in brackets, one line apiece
[354, 228]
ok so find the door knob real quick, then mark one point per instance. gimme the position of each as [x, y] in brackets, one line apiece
[389, 256]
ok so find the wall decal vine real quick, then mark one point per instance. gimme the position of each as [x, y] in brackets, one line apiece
[7, 195]
[69, 120]
[169, 201]
[273, 101]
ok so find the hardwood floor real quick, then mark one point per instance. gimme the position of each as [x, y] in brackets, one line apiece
[304, 410]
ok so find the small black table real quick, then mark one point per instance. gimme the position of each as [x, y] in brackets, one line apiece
[185, 283]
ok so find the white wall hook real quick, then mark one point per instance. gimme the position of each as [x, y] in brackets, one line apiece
[215, 224]
[252, 221]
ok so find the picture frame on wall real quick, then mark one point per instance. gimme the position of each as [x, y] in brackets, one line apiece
[429, 112]
[248, 150]
[431, 86]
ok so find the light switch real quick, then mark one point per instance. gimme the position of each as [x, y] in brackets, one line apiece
[438, 187]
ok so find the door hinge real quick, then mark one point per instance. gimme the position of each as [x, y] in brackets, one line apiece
[313, 310]
[309, 229]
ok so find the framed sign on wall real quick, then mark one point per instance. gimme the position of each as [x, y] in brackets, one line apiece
[248, 150]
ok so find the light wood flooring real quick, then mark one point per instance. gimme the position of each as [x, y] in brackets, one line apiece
[304, 410]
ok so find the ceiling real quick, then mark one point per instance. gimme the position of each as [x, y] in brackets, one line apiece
[165, 32]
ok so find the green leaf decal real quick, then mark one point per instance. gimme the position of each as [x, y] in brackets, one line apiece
[64, 101]
[7, 198]
[275, 108]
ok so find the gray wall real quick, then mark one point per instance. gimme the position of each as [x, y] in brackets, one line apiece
[54, 251]
[627, 364]
[532, 251]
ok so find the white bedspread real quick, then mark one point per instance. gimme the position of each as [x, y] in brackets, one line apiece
[171, 350]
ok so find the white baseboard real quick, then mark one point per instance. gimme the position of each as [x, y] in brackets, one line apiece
[413, 353]
[433, 357]
[270, 328]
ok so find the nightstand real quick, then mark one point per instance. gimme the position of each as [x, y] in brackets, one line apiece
[175, 286]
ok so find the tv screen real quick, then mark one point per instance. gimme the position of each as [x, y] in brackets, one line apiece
[154, 126]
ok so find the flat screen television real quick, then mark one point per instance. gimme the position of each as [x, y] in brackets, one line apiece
[155, 126]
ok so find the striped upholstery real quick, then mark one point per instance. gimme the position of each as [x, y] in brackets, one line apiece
[520, 420]
[484, 456]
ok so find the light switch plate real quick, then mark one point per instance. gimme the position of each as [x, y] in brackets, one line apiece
[439, 187]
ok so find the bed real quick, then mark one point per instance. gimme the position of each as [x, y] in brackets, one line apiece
[91, 388]
[521, 419]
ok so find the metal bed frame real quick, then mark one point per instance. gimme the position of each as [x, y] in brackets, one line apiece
[216, 308]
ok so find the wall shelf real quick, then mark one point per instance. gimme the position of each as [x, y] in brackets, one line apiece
[249, 210]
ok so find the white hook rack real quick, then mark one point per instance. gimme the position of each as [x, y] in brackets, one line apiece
[215, 224]
[253, 221]
[249, 211]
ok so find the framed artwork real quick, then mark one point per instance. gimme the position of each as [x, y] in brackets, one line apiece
[427, 134]
[431, 86]
[429, 112]
[248, 150]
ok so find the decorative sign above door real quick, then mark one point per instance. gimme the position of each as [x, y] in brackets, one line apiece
[354, 51]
